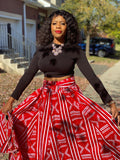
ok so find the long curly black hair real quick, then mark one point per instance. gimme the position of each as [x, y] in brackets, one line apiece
[72, 33]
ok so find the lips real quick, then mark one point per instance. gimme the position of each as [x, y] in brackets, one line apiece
[58, 31]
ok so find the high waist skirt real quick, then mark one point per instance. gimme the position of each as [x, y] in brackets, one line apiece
[57, 122]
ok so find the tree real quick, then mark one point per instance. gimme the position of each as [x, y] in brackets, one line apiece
[114, 31]
[92, 15]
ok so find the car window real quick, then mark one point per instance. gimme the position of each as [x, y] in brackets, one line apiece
[102, 41]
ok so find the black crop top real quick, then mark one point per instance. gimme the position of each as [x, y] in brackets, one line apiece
[59, 66]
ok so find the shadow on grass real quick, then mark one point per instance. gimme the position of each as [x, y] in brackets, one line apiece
[116, 56]
[109, 58]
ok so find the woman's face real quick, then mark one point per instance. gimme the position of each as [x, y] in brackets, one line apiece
[58, 29]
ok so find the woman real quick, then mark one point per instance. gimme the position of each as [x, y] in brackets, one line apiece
[56, 121]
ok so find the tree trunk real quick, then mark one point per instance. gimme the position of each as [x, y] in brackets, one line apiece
[87, 44]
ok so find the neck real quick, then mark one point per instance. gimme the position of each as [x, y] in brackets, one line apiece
[58, 41]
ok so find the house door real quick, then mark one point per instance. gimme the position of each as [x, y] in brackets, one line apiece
[3, 36]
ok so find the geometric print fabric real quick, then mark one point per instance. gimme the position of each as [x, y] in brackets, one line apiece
[57, 122]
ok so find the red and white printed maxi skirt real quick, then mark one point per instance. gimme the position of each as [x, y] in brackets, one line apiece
[57, 122]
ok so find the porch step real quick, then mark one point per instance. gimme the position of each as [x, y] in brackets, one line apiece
[23, 64]
[6, 56]
[18, 60]
[16, 65]
[16, 68]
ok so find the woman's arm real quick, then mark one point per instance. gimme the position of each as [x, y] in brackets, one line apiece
[27, 77]
[22, 84]
[90, 75]
[88, 72]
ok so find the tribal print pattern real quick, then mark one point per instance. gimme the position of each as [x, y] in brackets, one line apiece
[57, 122]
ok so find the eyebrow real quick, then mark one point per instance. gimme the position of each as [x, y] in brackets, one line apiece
[59, 21]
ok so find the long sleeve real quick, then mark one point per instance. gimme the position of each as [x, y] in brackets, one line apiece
[27, 77]
[88, 72]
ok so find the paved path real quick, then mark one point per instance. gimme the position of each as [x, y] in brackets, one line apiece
[111, 81]
[98, 68]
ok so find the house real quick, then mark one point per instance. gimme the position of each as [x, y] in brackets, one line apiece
[20, 21]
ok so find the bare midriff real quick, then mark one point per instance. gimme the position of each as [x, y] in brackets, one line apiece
[56, 78]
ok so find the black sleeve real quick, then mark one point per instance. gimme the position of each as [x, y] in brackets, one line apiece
[88, 72]
[27, 77]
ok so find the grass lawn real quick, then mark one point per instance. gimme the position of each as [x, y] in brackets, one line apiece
[111, 60]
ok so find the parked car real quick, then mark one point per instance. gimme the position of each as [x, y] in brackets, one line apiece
[101, 47]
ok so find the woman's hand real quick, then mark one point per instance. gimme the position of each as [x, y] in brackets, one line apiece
[8, 106]
[114, 110]
[115, 113]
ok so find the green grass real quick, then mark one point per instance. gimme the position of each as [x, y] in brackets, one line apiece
[117, 47]
[108, 60]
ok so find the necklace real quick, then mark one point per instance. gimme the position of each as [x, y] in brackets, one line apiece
[57, 50]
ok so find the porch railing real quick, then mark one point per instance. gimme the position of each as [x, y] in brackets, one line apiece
[16, 45]
[18, 48]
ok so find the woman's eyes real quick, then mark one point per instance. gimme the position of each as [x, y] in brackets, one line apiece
[54, 23]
